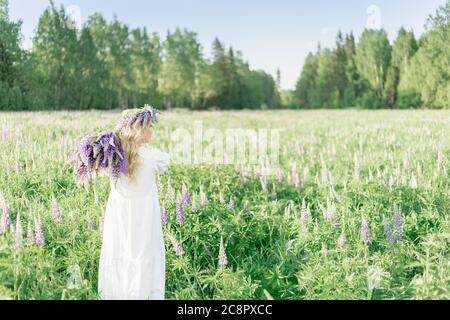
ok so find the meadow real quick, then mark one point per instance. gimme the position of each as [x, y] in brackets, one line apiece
[358, 209]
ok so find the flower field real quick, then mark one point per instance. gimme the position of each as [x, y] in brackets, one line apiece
[359, 208]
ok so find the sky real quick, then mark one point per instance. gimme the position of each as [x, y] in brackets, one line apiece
[271, 34]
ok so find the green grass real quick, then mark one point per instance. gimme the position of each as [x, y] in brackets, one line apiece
[270, 251]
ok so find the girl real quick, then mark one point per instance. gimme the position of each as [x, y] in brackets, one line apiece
[132, 258]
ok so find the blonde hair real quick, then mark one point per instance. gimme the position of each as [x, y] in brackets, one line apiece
[130, 138]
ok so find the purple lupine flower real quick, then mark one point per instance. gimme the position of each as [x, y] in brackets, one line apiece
[6, 215]
[30, 235]
[176, 245]
[388, 231]
[40, 238]
[56, 210]
[365, 231]
[324, 251]
[164, 218]
[223, 261]
[342, 240]
[180, 217]
[185, 195]
[398, 232]
[231, 204]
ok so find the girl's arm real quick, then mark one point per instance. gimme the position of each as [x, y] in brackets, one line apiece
[162, 160]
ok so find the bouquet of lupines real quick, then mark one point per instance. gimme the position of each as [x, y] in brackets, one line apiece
[102, 154]
[98, 153]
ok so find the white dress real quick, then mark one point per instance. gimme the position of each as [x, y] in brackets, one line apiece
[132, 258]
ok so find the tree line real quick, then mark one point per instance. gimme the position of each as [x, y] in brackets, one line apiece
[375, 74]
[106, 65]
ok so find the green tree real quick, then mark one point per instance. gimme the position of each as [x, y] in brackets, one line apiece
[182, 60]
[372, 57]
[4, 9]
[54, 57]
[404, 48]
[306, 87]
[429, 80]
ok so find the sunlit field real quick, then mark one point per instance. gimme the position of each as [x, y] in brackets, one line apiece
[358, 208]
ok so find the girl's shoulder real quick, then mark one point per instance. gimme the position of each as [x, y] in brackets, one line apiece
[158, 158]
[150, 152]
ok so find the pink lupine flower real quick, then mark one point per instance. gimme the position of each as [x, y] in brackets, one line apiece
[6, 214]
[203, 197]
[365, 231]
[164, 218]
[298, 183]
[413, 183]
[324, 251]
[194, 206]
[221, 198]
[341, 241]
[56, 211]
[405, 164]
[324, 173]
[339, 198]
[398, 225]
[357, 170]
[180, 217]
[280, 177]
[30, 235]
[388, 231]
[40, 238]
[304, 213]
[223, 260]
[17, 168]
[231, 204]
[176, 245]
